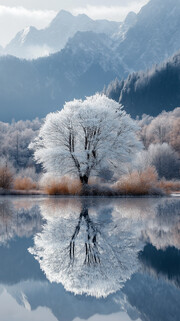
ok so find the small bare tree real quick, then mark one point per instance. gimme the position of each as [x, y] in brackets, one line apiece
[6, 174]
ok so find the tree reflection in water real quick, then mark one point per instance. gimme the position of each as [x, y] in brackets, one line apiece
[112, 228]
[92, 255]
[84, 252]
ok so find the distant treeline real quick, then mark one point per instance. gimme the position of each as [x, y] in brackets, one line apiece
[149, 92]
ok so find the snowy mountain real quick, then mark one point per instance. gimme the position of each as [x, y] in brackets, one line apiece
[90, 60]
[33, 43]
[154, 37]
[128, 23]
[142, 40]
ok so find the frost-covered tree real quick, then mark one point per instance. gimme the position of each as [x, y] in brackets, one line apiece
[163, 158]
[159, 129]
[15, 138]
[175, 135]
[162, 228]
[86, 136]
[165, 128]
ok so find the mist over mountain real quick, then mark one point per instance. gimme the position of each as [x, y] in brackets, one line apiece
[149, 92]
[34, 88]
[33, 43]
[143, 39]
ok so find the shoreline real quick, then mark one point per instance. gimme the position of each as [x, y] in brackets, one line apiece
[44, 194]
[22, 192]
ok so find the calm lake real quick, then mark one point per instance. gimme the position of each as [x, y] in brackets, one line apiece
[96, 259]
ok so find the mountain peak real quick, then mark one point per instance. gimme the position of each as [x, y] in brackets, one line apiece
[66, 17]
[84, 17]
[62, 16]
[64, 13]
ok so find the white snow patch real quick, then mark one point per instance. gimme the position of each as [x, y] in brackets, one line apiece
[24, 34]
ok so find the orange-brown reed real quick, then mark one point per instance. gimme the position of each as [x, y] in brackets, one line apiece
[24, 183]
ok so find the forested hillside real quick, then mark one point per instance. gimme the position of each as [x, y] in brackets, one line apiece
[149, 92]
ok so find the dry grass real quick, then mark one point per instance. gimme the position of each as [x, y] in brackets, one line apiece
[138, 183]
[135, 183]
[24, 183]
[69, 186]
[6, 177]
[63, 186]
[169, 186]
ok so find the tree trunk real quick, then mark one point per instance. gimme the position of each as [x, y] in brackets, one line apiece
[84, 180]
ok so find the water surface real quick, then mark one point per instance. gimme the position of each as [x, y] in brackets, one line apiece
[72, 259]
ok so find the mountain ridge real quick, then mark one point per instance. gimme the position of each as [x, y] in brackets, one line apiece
[154, 37]
[88, 62]
[55, 36]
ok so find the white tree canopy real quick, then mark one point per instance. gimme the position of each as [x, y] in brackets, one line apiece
[86, 136]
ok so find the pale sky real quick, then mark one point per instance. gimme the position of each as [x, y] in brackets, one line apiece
[15, 15]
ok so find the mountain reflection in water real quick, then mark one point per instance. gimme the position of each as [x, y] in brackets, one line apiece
[119, 256]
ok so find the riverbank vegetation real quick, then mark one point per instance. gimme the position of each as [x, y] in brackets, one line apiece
[151, 169]
[137, 183]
